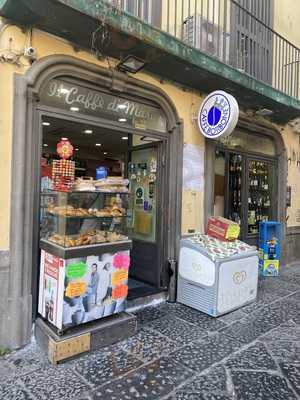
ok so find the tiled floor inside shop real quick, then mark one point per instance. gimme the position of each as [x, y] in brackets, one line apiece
[179, 353]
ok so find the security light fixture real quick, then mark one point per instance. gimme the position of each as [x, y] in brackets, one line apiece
[88, 131]
[45, 145]
[264, 112]
[98, 144]
[46, 123]
[122, 119]
[64, 138]
[105, 152]
[75, 109]
[76, 149]
[149, 139]
[124, 137]
[121, 106]
[131, 64]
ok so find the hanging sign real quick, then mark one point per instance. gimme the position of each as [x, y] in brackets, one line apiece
[218, 115]
[64, 149]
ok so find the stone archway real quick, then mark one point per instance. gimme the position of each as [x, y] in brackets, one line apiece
[17, 317]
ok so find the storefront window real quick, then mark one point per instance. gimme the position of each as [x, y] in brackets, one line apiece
[244, 186]
[249, 142]
[80, 99]
[260, 178]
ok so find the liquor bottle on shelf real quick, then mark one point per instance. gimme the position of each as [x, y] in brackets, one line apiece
[254, 182]
[268, 201]
[234, 198]
[239, 182]
[258, 168]
[266, 184]
[239, 198]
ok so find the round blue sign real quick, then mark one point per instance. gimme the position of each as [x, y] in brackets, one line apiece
[218, 115]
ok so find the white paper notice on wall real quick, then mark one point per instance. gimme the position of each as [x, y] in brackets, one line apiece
[193, 168]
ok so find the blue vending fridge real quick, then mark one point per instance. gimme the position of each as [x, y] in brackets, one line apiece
[270, 233]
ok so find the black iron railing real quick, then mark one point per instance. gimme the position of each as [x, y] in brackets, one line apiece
[230, 31]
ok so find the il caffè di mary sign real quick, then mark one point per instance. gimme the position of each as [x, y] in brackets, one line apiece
[76, 98]
[218, 115]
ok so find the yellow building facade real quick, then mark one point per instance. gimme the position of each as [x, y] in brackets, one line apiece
[195, 205]
[187, 103]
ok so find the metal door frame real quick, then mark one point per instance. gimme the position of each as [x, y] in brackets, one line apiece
[160, 217]
[42, 111]
[246, 158]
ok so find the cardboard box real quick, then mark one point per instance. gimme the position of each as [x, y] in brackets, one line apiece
[222, 228]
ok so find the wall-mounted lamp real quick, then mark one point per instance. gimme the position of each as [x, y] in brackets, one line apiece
[131, 64]
[264, 112]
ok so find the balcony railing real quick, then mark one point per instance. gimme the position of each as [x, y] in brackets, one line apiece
[237, 36]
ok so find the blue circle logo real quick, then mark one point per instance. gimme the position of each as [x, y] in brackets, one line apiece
[214, 116]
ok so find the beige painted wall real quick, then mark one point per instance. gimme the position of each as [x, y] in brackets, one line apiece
[292, 143]
[13, 39]
[286, 23]
[286, 19]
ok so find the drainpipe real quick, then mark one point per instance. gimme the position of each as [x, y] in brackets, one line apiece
[173, 279]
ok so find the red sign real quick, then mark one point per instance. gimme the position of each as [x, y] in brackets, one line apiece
[51, 266]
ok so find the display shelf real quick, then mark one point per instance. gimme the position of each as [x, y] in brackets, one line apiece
[49, 193]
[85, 216]
[84, 251]
[68, 216]
[257, 189]
[56, 192]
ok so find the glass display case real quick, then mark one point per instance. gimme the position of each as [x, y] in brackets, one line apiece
[83, 218]
[85, 256]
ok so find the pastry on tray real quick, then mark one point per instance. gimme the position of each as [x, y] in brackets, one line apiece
[89, 237]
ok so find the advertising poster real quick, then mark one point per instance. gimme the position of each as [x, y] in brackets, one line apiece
[193, 168]
[92, 287]
[51, 268]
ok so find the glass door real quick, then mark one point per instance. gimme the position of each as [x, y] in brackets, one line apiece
[145, 176]
[229, 189]
[261, 195]
[245, 191]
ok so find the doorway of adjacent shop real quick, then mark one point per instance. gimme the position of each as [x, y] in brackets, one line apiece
[134, 159]
[245, 182]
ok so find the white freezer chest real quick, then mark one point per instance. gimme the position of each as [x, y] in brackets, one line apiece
[216, 277]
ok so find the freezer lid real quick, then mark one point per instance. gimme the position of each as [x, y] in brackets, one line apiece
[218, 250]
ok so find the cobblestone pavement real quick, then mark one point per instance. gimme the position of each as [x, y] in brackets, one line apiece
[180, 354]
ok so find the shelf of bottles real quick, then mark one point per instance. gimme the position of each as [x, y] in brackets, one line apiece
[259, 198]
[235, 187]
